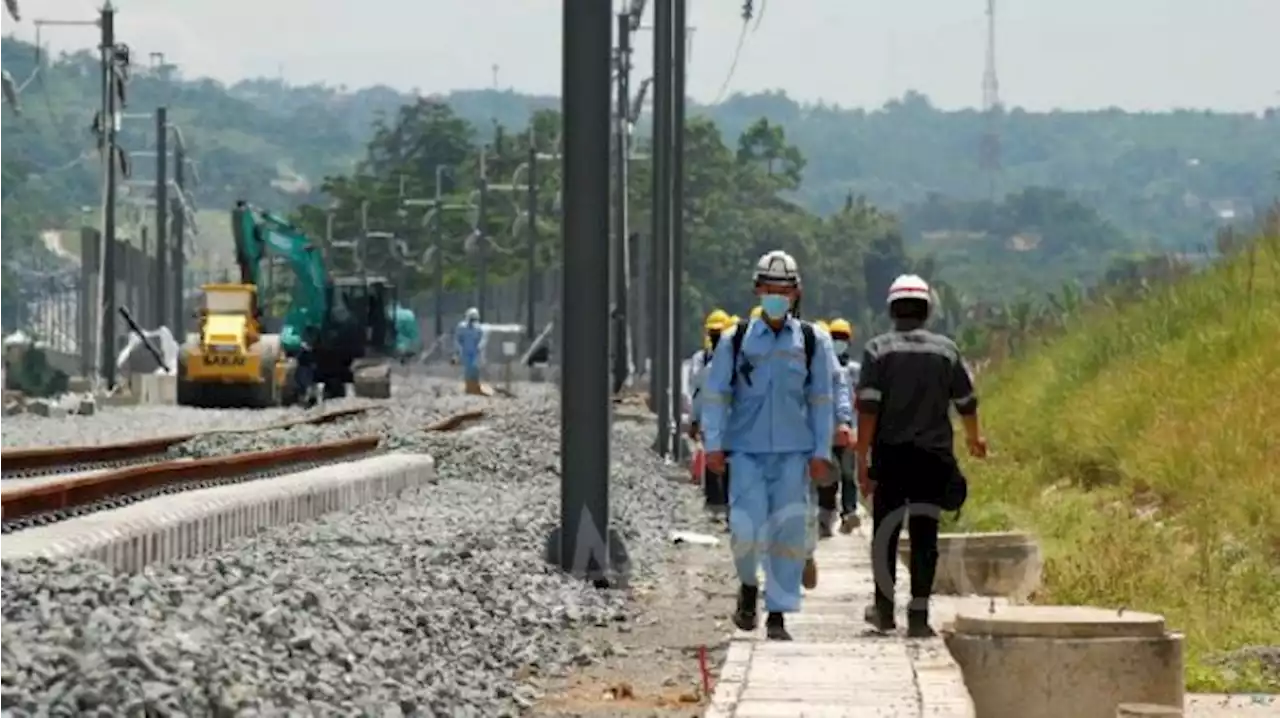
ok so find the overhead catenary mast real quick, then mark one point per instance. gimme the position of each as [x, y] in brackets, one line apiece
[989, 149]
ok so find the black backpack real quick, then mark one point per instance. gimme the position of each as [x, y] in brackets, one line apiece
[810, 346]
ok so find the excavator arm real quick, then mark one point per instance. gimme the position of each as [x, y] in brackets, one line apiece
[259, 235]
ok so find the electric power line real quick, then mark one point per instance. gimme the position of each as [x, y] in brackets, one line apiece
[748, 12]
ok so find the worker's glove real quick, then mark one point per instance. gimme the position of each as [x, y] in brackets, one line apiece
[695, 430]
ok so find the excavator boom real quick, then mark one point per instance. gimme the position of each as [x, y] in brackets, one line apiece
[259, 235]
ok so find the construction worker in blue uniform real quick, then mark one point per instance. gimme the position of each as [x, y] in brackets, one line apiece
[767, 404]
[823, 494]
[469, 341]
[841, 337]
[713, 484]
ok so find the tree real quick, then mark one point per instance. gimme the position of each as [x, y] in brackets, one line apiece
[767, 144]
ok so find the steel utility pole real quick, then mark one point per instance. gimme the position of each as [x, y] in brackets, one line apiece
[679, 32]
[160, 296]
[105, 22]
[482, 238]
[178, 240]
[661, 381]
[620, 271]
[583, 544]
[531, 239]
[114, 61]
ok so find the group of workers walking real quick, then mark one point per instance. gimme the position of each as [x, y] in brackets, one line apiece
[793, 429]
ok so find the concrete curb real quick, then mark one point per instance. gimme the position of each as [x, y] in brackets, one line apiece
[195, 522]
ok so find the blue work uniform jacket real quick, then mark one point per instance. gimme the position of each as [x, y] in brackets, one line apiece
[699, 364]
[776, 404]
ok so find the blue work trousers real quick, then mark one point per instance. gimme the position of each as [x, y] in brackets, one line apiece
[471, 369]
[769, 508]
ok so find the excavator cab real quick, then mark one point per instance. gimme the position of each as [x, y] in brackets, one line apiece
[360, 333]
[361, 314]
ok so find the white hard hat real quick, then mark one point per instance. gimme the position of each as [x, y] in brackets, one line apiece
[473, 313]
[910, 286]
[777, 267]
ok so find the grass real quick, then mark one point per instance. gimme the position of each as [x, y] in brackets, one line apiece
[1142, 446]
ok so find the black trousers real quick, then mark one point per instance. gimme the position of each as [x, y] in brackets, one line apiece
[715, 487]
[846, 487]
[909, 483]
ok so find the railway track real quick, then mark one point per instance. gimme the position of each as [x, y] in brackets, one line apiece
[44, 502]
[46, 485]
[52, 485]
[72, 460]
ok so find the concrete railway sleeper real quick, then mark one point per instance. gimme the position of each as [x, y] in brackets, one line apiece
[44, 461]
[26, 507]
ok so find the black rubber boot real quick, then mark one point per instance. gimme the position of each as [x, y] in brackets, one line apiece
[746, 616]
[775, 627]
[880, 616]
[918, 625]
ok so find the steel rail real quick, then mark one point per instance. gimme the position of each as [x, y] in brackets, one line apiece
[61, 459]
[23, 502]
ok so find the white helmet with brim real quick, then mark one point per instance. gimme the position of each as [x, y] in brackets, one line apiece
[910, 286]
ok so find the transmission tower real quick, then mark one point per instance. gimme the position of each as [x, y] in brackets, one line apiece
[990, 145]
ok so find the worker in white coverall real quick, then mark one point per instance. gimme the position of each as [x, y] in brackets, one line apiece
[469, 341]
[768, 404]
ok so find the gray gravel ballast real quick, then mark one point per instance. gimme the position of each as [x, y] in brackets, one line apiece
[429, 605]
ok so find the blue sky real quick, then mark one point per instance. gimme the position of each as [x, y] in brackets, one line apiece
[1134, 54]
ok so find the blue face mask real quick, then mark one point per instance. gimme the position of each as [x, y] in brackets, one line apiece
[775, 306]
[840, 345]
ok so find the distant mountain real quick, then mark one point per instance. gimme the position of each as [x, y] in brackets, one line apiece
[1164, 179]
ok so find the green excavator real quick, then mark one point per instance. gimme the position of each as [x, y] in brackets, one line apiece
[336, 330]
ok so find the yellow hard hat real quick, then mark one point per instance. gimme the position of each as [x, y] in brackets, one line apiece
[716, 320]
[842, 327]
[757, 311]
[735, 320]
[821, 324]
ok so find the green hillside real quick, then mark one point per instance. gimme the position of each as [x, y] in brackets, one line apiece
[1080, 190]
[1140, 444]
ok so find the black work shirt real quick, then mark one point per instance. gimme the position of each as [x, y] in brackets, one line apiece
[910, 378]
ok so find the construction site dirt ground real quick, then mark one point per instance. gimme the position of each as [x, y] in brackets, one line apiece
[652, 665]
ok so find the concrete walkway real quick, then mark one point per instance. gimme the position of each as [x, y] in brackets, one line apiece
[836, 668]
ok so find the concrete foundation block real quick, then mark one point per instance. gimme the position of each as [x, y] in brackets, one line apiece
[154, 388]
[86, 406]
[1066, 661]
[1005, 564]
[46, 409]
